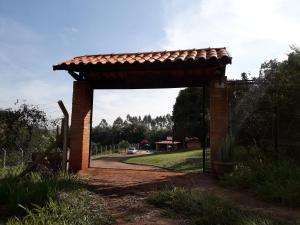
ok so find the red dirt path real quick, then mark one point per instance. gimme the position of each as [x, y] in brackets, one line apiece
[126, 186]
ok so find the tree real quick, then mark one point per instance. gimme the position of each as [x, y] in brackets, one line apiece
[25, 128]
[134, 129]
[102, 134]
[117, 130]
[187, 113]
[124, 144]
[267, 113]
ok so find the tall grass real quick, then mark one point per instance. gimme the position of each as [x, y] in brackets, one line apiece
[275, 182]
[76, 207]
[31, 189]
[204, 209]
[58, 198]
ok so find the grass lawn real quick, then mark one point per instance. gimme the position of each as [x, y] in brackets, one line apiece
[108, 153]
[93, 157]
[181, 161]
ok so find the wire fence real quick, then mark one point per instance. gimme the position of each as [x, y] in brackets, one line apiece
[264, 115]
[110, 149]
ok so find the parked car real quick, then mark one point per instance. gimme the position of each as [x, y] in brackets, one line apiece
[131, 150]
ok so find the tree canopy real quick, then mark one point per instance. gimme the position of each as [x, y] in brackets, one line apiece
[24, 128]
[187, 113]
[266, 113]
[133, 129]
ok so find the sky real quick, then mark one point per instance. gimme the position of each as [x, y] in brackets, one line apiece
[36, 34]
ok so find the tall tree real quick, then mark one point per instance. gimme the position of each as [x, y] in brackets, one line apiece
[187, 113]
[267, 113]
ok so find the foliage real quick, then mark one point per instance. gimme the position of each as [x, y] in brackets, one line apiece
[124, 144]
[26, 129]
[204, 209]
[134, 129]
[276, 182]
[266, 114]
[187, 113]
[181, 161]
[266, 124]
[78, 207]
[34, 188]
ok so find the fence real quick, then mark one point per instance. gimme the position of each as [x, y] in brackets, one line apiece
[109, 149]
[264, 115]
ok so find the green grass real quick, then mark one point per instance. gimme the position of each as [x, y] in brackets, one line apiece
[99, 156]
[274, 182]
[48, 198]
[107, 153]
[78, 207]
[203, 209]
[181, 161]
[34, 188]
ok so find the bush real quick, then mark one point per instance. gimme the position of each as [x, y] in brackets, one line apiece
[204, 209]
[124, 144]
[277, 182]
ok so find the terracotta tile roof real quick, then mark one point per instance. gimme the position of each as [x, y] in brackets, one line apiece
[207, 54]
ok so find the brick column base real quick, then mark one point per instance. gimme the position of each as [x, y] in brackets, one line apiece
[80, 126]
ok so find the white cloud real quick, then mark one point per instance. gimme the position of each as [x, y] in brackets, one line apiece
[253, 31]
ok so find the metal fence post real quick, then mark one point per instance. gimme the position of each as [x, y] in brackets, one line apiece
[65, 126]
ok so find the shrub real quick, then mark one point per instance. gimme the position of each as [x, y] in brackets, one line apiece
[277, 182]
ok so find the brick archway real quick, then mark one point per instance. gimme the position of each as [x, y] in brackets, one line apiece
[167, 69]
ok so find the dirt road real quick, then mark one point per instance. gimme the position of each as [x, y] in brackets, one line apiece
[126, 187]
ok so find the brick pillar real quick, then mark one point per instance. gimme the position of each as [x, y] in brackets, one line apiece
[219, 116]
[80, 125]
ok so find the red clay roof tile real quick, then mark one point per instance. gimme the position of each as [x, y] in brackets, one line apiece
[148, 57]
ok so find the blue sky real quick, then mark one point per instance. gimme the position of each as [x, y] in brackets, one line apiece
[34, 35]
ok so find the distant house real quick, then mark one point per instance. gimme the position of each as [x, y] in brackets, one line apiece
[192, 143]
[167, 144]
[144, 144]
